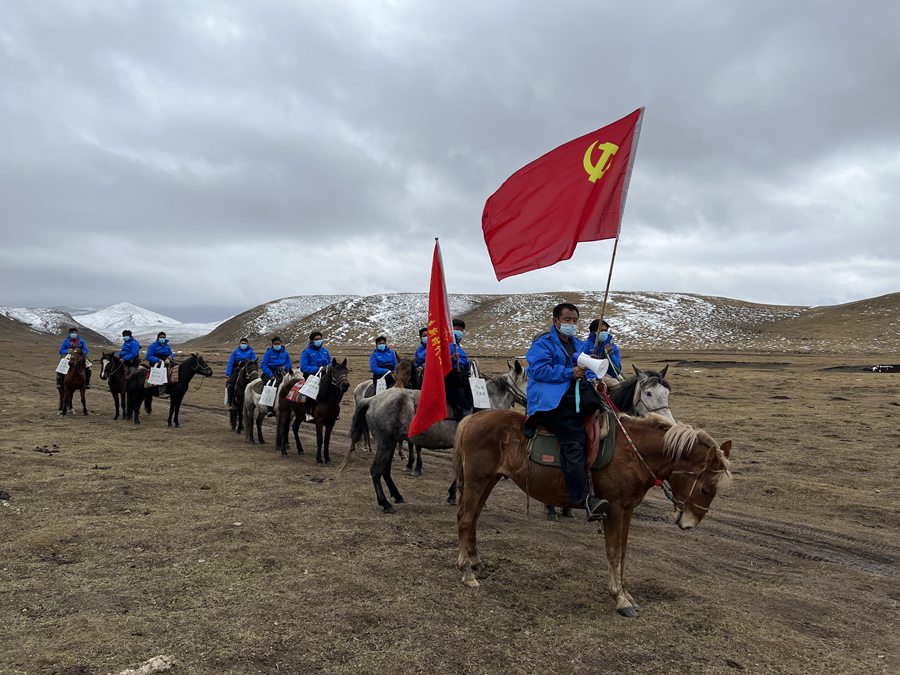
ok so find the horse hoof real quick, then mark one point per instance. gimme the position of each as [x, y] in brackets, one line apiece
[169, 425]
[399, 500]
[390, 509]
[327, 462]
[451, 501]
[177, 426]
[552, 517]
[407, 469]
[262, 442]
[319, 461]
[416, 474]
[629, 612]
[471, 582]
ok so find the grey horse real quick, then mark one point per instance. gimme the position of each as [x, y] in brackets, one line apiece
[386, 418]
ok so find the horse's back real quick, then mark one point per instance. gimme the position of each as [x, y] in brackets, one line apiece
[488, 431]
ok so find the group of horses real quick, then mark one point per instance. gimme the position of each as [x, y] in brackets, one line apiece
[651, 448]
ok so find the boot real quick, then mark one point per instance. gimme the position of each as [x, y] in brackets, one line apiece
[87, 378]
[596, 508]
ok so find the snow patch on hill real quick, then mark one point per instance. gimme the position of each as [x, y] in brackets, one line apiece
[41, 319]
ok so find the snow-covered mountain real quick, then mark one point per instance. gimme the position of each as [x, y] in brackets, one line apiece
[144, 323]
[51, 321]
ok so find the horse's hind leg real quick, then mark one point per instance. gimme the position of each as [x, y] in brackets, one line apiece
[418, 470]
[83, 403]
[295, 427]
[626, 526]
[391, 486]
[260, 416]
[409, 462]
[377, 470]
[326, 453]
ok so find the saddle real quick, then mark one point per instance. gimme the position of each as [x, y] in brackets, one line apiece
[294, 394]
[600, 429]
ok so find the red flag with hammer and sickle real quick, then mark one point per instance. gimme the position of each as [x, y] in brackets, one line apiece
[433, 399]
[573, 193]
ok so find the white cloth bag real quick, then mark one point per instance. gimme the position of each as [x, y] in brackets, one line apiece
[158, 374]
[267, 397]
[311, 388]
[480, 398]
[381, 384]
[63, 366]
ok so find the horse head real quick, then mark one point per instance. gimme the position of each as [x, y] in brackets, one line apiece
[201, 366]
[651, 393]
[403, 374]
[340, 377]
[700, 469]
[250, 369]
[106, 360]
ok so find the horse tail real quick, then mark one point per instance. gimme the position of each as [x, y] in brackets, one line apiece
[457, 454]
[359, 427]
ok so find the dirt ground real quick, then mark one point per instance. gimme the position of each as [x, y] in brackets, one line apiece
[120, 543]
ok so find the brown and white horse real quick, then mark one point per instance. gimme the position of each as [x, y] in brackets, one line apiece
[490, 445]
[73, 381]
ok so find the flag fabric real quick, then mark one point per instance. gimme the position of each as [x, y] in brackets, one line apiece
[433, 399]
[571, 194]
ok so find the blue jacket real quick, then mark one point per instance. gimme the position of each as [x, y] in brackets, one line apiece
[130, 350]
[549, 370]
[157, 352]
[463, 357]
[615, 359]
[314, 358]
[240, 355]
[273, 360]
[419, 361]
[382, 362]
[67, 344]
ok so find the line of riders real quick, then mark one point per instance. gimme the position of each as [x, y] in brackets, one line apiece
[560, 392]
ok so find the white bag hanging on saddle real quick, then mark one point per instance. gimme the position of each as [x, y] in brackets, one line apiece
[311, 388]
[480, 398]
[381, 384]
[158, 375]
[267, 397]
[63, 367]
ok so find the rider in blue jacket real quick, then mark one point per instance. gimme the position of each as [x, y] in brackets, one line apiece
[130, 352]
[159, 350]
[456, 383]
[553, 379]
[275, 358]
[243, 352]
[383, 362]
[68, 344]
[315, 356]
[419, 360]
[608, 349]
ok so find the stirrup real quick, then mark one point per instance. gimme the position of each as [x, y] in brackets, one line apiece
[599, 509]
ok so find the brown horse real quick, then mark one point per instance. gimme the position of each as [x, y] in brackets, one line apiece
[72, 382]
[490, 445]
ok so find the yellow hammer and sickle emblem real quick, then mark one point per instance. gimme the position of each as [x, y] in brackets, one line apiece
[596, 170]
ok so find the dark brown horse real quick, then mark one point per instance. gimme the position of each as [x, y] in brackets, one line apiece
[245, 372]
[490, 445]
[113, 370]
[334, 384]
[73, 381]
[193, 365]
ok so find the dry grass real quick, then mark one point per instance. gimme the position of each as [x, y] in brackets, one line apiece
[125, 544]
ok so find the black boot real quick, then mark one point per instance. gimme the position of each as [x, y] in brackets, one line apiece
[596, 508]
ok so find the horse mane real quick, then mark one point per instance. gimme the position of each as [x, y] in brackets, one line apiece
[681, 438]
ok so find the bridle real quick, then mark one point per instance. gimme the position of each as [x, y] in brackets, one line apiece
[639, 401]
[517, 394]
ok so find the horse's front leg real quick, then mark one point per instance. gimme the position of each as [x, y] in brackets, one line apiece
[327, 454]
[171, 409]
[614, 546]
[62, 402]
[626, 526]
[319, 439]
[83, 403]
[295, 427]
[116, 401]
[418, 470]
[260, 416]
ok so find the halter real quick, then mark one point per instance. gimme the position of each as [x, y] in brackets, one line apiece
[678, 504]
[638, 390]
[518, 395]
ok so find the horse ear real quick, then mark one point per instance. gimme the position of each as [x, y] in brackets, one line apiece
[662, 373]
[726, 448]
[344, 363]
[509, 366]
[333, 361]
[639, 372]
[518, 367]
[194, 354]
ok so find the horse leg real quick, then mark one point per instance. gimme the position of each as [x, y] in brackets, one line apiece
[391, 486]
[260, 416]
[171, 409]
[328, 428]
[451, 493]
[471, 503]
[409, 462]
[626, 526]
[116, 401]
[248, 424]
[319, 442]
[551, 514]
[418, 470]
[281, 430]
[83, 402]
[376, 471]
[613, 528]
[62, 402]
[296, 429]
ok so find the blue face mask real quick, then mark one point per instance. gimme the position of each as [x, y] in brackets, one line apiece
[602, 336]
[244, 346]
[458, 334]
[568, 329]
[277, 348]
[318, 343]
[161, 341]
[73, 335]
[127, 338]
[381, 348]
[424, 339]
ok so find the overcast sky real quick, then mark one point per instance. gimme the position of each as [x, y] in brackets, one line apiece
[198, 158]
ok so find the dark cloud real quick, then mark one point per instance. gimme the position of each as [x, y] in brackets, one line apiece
[220, 154]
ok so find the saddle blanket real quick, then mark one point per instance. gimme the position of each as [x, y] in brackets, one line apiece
[544, 449]
[294, 394]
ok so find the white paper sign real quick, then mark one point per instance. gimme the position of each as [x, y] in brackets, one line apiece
[380, 384]
[63, 366]
[311, 388]
[267, 397]
[158, 374]
[480, 398]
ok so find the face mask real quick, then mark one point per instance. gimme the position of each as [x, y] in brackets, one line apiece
[424, 339]
[318, 343]
[245, 346]
[381, 348]
[73, 335]
[127, 338]
[161, 341]
[277, 348]
[458, 334]
[602, 336]
[568, 329]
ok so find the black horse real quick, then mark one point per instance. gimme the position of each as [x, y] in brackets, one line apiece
[245, 372]
[113, 370]
[334, 384]
[191, 366]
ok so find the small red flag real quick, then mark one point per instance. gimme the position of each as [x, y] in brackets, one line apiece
[433, 399]
[573, 193]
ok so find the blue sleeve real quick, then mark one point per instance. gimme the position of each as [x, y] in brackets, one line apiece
[264, 366]
[463, 359]
[616, 359]
[252, 354]
[589, 344]
[541, 366]
[288, 364]
[305, 365]
[83, 345]
[63, 349]
[396, 361]
[373, 365]
[420, 356]
[151, 354]
[230, 364]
